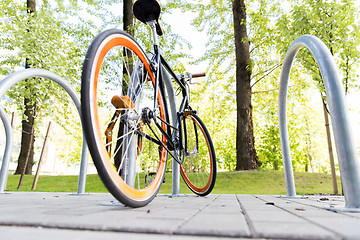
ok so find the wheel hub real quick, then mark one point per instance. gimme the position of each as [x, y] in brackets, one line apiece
[147, 115]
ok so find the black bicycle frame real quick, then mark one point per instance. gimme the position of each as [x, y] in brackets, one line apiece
[158, 63]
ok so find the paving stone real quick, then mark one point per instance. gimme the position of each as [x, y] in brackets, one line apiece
[346, 226]
[233, 225]
[166, 217]
[291, 230]
[15, 233]
[276, 215]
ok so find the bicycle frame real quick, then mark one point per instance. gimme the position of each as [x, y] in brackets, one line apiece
[157, 62]
[129, 96]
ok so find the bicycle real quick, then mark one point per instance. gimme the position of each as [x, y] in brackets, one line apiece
[139, 110]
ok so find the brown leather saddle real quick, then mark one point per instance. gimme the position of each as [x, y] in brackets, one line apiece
[148, 10]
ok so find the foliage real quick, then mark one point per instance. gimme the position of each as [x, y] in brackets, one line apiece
[271, 29]
[305, 123]
[35, 38]
[335, 22]
[45, 41]
[215, 18]
[62, 31]
[212, 98]
[56, 38]
[266, 126]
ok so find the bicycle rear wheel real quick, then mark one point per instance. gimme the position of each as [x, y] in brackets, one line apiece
[117, 99]
[199, 167]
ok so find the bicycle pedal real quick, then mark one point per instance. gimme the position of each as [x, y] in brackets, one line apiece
[122, 102]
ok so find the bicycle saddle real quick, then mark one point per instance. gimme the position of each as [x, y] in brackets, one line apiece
[147, 10]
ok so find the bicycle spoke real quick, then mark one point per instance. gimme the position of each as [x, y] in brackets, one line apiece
[126, 150]
[123, 136]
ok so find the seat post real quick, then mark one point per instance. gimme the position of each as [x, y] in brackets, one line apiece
[152, 25]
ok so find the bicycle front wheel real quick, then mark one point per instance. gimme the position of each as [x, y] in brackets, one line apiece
[199, 167]
[119, 111]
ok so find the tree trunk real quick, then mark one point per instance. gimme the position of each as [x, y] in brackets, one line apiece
[331, 155]
[31, 6]
[246, 157]
[27, 140]
[27, 135]
[128, 18]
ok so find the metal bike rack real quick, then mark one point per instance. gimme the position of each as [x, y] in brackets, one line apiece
[175, 165]
[7, 152]
[348, 161]
[10, 81]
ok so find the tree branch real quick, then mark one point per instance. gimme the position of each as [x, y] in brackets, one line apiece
[267, 72]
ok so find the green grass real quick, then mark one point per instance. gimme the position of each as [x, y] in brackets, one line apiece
[249, 182]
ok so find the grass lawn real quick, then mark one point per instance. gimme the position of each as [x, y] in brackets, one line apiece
[249, 182]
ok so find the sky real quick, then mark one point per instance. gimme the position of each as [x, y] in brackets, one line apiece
[184, 29]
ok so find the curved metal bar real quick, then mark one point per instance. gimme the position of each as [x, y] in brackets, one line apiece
[18, 76]
[348, 161]
[172, 104]
[7, 152]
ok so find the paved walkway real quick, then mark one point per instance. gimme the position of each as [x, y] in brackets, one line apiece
[55, 216]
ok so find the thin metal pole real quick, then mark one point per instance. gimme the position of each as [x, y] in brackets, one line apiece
[7, 152]
[83, 167]
[18, 76]
[348, 161]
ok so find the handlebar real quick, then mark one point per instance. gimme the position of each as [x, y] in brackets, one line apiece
[196, 75]
[188, 76]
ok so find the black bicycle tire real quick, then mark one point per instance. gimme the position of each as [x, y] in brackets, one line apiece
[212, 159]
